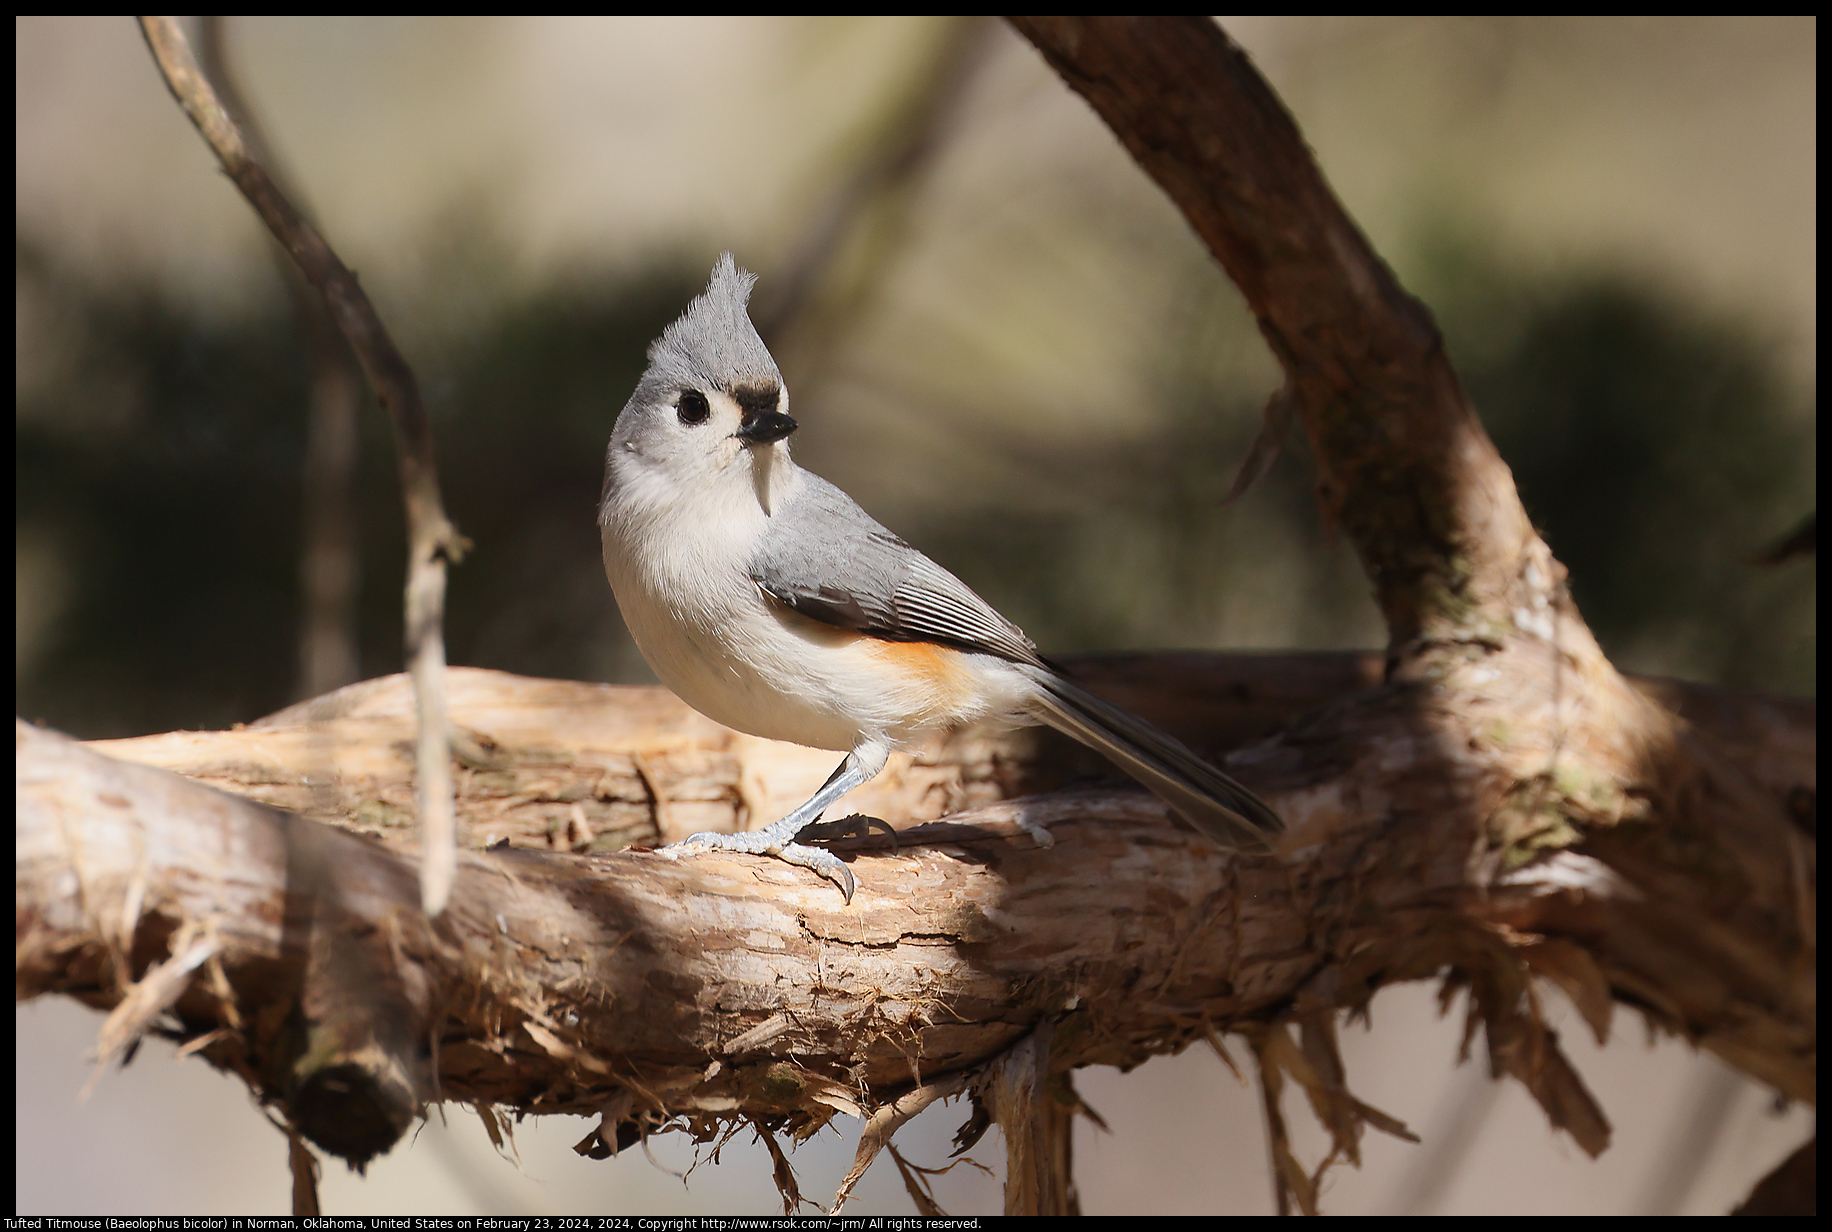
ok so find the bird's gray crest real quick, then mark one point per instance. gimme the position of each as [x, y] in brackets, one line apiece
[714, 345]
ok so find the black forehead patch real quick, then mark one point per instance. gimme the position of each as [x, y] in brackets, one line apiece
[755, 398]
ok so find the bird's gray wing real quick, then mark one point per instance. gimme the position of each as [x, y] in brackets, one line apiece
[826, 558]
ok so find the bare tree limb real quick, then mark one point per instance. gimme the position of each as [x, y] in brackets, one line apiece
[1406, 467]
[567, 766]
[540, 990]
[432, 539]
[1484, 641]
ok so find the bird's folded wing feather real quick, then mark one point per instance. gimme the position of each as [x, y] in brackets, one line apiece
[826, 558]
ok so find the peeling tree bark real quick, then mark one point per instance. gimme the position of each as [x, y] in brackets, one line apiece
[1486, 803]
[614, 983]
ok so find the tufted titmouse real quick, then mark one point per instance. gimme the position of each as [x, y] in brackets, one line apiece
[769, 601]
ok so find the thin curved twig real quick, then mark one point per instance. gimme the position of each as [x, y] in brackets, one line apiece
[432, 539]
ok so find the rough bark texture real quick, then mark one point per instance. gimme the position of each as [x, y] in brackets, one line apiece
[631, 985]
[1511, 726]
[1487, 803]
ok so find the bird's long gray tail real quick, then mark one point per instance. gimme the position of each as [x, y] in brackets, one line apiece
[1203, 796]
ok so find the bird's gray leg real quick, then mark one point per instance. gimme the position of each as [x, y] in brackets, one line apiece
[778, 839]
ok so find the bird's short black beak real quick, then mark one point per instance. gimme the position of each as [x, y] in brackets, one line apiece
[764, 427]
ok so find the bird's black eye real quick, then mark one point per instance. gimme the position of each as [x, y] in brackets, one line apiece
[693, 408]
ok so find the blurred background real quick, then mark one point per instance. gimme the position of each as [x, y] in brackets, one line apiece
[1613, 219]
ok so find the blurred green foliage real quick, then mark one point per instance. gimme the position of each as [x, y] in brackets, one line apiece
[158, 487]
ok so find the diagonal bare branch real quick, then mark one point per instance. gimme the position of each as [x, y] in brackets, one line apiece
[1406, 467]
[1485, 644]
[432, 539]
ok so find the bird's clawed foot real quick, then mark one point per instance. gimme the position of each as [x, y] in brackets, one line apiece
[784, 844]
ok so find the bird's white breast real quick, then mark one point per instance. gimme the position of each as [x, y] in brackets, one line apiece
[680, 571]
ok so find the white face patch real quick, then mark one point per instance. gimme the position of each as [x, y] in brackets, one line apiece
[668, 451]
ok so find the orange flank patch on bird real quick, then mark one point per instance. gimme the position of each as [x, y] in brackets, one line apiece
[947, 684]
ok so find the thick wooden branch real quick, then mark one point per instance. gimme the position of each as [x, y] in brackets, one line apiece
[566, 766]
[634, 984]
[1530, 747]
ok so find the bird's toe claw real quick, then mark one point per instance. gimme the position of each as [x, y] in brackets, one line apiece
[825, 863]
